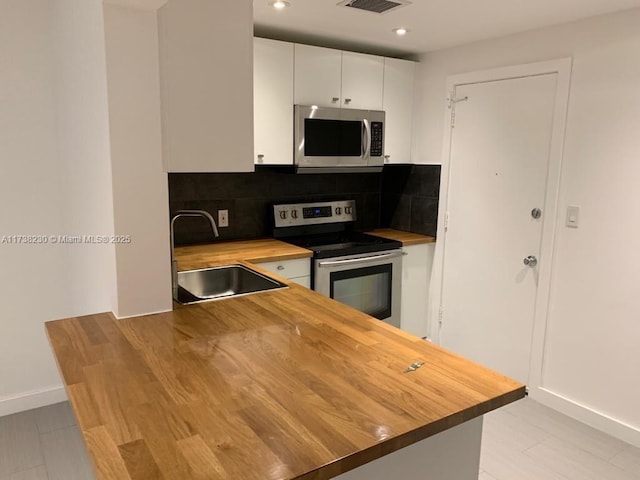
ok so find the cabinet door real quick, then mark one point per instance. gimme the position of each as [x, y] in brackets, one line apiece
[317, 76]
[303, 281]
[398, 105]
[273, 102]
[206, 63]
[362, 77]
[416, 279]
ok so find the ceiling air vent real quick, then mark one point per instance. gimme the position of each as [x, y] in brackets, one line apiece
[375, 6]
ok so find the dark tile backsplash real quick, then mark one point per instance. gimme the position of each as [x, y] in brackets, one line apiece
[409, 198]
[403, 197]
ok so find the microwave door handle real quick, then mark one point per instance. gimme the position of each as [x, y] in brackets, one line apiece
[359, 260]
[366, 139]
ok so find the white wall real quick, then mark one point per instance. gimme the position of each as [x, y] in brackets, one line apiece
[140, 186]
[55, 180]
[30, 199]
[84, 161]
[591, 355]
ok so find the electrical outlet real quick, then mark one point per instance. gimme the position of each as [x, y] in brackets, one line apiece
[223, 218]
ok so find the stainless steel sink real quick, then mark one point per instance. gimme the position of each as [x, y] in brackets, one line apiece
[221, 282]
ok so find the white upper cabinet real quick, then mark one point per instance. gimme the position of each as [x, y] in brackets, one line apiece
[332, 78]
[287, 74]
[273, 102]
[398, 105]
[362, 77]
[206, 63]
[317, 76]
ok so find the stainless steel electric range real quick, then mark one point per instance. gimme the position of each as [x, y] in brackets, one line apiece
[354, 268]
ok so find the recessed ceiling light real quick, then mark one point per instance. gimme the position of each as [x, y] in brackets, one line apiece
[400, 31]
[279, 4]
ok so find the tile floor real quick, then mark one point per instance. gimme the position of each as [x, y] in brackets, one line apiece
[523, 441]
[528, 441]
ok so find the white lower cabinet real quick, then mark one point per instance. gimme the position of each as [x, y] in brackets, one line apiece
[416, 278]
[304, 281]
[297, 270]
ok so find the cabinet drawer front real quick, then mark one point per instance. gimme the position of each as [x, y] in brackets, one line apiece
[299, 267]
[304, 281]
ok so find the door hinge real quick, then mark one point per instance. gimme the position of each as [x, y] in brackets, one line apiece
[440, 317]
[446, 221]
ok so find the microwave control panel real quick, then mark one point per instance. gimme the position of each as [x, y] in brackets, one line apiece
[377, 132]
[300, 214]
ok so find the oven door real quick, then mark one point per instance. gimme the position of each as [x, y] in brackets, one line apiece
[367, 282]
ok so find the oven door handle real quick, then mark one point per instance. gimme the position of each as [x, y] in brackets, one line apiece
[350, 261]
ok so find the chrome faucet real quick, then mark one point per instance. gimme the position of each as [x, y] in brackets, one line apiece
[174, 263]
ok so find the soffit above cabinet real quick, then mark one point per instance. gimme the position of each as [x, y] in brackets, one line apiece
[147, 5]
[206, 65]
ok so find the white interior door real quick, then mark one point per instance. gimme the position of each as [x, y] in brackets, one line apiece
[499, 158]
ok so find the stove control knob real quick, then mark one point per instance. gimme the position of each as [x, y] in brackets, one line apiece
[338, 210]
[283, 214]
[347, 210]
[294, 214]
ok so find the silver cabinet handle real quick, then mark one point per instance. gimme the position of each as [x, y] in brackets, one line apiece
[280, 267]
[347, 101]
[335, 99]
[360, 260]
[530, 261]
[260, 158]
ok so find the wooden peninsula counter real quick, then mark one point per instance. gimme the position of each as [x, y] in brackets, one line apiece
[285, 384]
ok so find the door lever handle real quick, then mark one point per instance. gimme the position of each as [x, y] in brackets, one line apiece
[530, 261]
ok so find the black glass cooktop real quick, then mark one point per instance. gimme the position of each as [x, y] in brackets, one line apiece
[341, 244]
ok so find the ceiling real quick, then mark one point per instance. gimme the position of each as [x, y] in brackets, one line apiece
[433, 24]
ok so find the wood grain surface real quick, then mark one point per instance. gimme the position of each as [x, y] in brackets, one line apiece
[260, 250]
[286, 384]
[407, 238]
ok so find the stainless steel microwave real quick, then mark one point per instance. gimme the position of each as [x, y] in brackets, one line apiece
[338, 139]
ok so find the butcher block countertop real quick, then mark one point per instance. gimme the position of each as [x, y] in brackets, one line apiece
[268, 250]
[255, 251]
[407, 238]
[284, 384]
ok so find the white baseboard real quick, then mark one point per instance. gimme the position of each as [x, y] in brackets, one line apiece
[30, 400]
[587, 415]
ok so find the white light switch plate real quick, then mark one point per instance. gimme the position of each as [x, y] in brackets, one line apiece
[573, 216]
